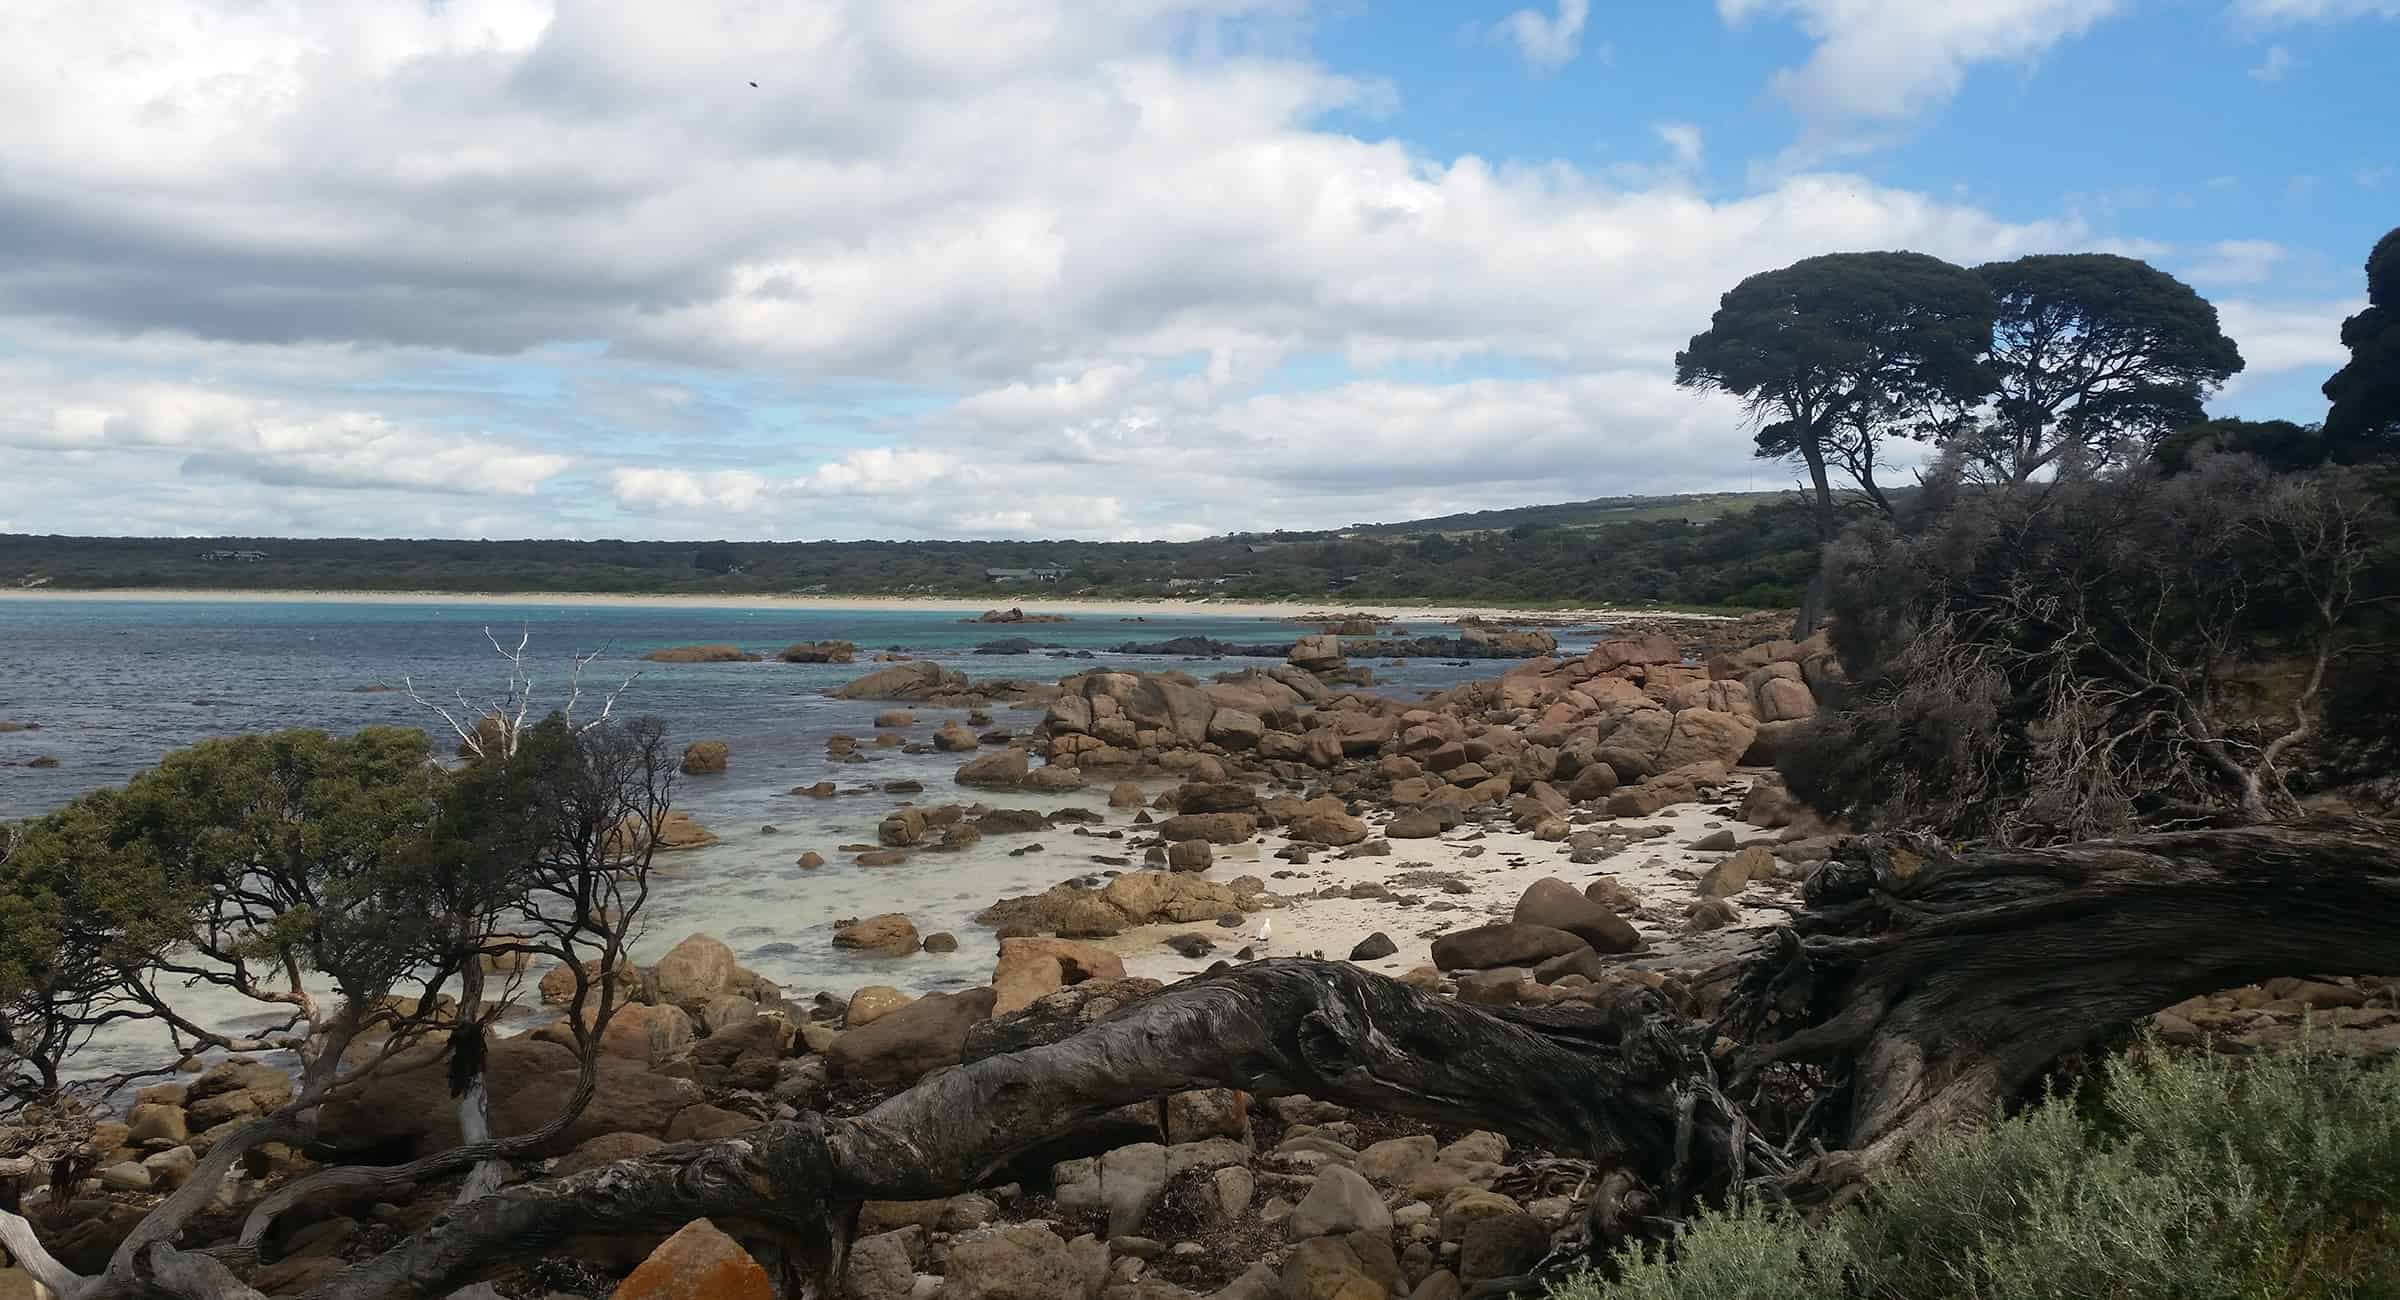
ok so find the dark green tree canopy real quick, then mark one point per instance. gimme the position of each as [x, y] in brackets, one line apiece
[2365, 419]
[2280, 445]
[2094, 354]
[1832, 353]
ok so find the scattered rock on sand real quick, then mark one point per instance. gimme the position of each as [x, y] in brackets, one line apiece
[1734, 872]
[1374, 946]
[1216, 828]
[1506, 944]
[1555, 903]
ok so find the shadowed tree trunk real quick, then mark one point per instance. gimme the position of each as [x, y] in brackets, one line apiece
[1931, 989]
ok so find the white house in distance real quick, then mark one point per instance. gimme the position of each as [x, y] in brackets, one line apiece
[1040, 574]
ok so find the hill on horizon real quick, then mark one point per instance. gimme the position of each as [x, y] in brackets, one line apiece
[1715, 550]
[1690, 507]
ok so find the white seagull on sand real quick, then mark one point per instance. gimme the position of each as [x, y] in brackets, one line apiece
[1265, 926]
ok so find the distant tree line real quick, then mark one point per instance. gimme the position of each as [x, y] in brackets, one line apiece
[1754, 558]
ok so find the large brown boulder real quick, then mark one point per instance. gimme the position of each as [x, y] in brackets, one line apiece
[1555, 903]
[901, 1047]
[819, 652]
[1023, 1261]
[695, 970]
[700, 654]
[232, 1090]
[915, 680]
[1506, 944]
[1215, 797]
[1631, 739]
[697, 1263]
[1593, 784]
[1154, 703]
[1236, 729]
[1065, 910]
[890, 934]
[1003, 769]
[1149, 896]
[704, 757]
[407, 1103]
[1317, 653]
[1705, 736]
[1322, 827]
[1782, 699]
[1216, 828]
[649, 1036]
[1032, 968]
[1633, 652]
[1068, 715]
[1734, 872]
[904, 828]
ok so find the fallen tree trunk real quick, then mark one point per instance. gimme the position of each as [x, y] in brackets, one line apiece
[1930, 987]
[1939, 987]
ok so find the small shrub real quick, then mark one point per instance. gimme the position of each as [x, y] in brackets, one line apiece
[2188, 1177]
[1753, 1254]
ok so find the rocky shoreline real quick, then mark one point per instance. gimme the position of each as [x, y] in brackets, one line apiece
[1570, 831]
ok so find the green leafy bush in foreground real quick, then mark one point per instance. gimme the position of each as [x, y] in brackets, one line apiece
[2184, 1177]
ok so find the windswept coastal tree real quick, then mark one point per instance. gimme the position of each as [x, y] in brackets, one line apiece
[355, 887]
[1833, 354]
[2096, 358]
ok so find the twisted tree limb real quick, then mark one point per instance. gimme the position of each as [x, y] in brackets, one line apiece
[1937, 985]
[1945, 985]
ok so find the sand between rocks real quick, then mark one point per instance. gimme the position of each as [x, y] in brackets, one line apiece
[1663, 871]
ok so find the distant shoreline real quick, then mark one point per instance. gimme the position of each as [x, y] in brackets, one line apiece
[930, 604]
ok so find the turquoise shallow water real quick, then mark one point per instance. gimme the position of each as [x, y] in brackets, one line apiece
[115, 684]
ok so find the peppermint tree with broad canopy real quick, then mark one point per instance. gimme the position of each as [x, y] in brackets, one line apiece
[2097, 357]
[1833, 353]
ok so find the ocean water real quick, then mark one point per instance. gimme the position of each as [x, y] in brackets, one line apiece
[116, 684]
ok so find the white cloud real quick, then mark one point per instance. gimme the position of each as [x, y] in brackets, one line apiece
[1683, 140]
[1548, 42]
[1878, 63]
[2275, 66]
[218, 433]
[2237, 261]
[673, 491]
[2278, 337]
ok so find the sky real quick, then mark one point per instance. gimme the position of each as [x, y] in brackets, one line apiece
[1105, 269]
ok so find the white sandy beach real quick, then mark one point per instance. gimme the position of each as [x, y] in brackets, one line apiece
[999, 599]
[1663, 871]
